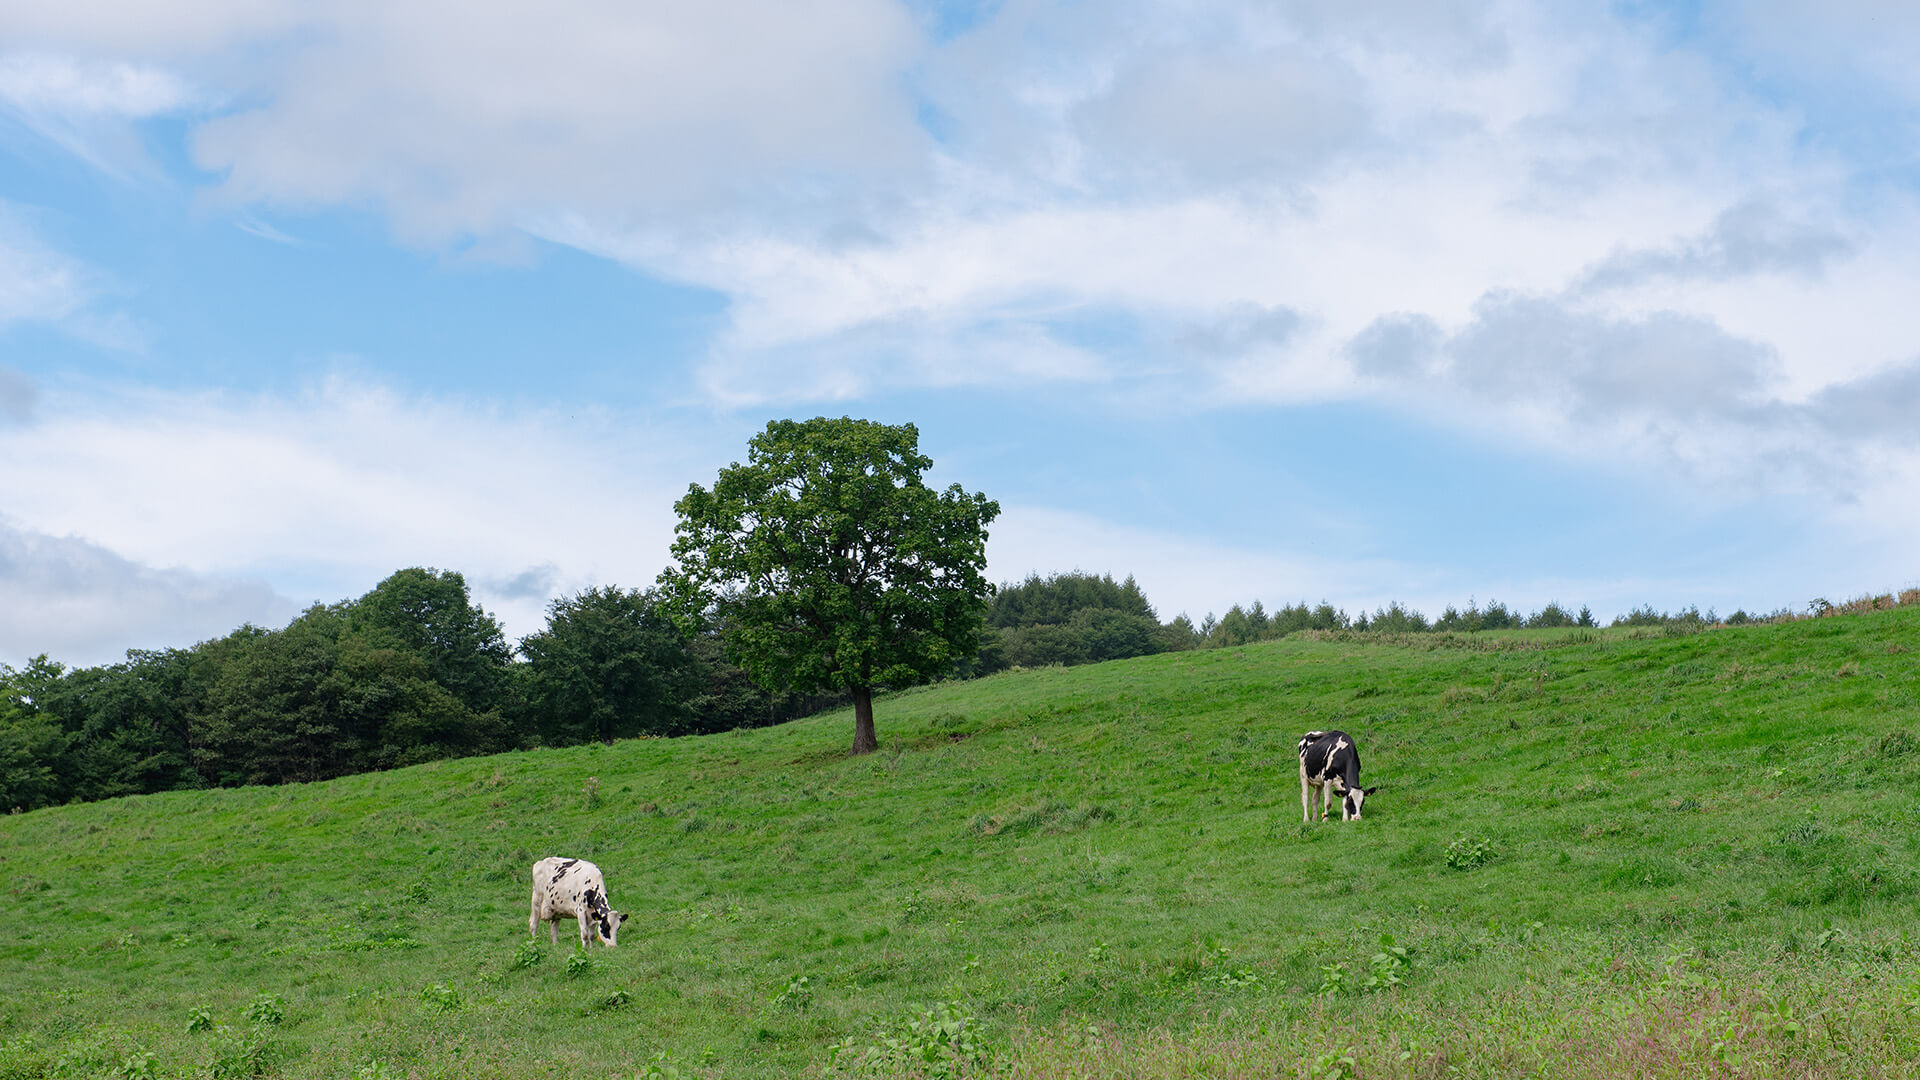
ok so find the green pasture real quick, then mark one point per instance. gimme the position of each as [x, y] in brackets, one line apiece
[1592, 854]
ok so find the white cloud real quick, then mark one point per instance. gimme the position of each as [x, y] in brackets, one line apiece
[886, 212]
[33, 83]
[81, 603]
[35, 281]
[327, 492]
[89, 107]
[466, 118]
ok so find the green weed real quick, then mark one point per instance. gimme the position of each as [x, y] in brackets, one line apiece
[1469, 853]
[796, 995]
[441, 996]
[267, 1009]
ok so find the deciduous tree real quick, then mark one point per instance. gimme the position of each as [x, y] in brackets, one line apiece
[832, 565]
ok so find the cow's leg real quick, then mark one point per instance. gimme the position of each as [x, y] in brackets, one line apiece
[1306, 800]
[533, 919]
[584, 940]
[1326, 800]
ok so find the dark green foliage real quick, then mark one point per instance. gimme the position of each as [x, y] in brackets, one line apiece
[430, 614]
[1244, 626]
[410, 672]
[340, 692]
[1056, 599]
[830, 566]
[1550, 617]
[1396, 619]
[1074, 618]
[34, 767]
[611, 664]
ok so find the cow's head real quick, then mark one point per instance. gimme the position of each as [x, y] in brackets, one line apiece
[606, 926]
[1351, 801]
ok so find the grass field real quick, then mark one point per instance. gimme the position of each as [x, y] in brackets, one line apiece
[1592, 854]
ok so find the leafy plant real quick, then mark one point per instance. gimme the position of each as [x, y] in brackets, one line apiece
[528, 954]
[796, 995]
[240, 1057]
[1225, 975]
[659, 1068]
[441, 996]
[943, 1041]
[1386, 967]
[1333, 979]
[199, 1019]
[1469, 853]
[137, 1066]
[579, 964]
[267, 1009]
[1332, 1065]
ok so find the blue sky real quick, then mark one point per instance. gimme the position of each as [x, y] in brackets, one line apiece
[1422, 300]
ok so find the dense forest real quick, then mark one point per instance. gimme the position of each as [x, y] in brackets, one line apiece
[415, 671]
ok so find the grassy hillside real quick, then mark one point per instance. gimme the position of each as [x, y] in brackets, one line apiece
[1592, 854]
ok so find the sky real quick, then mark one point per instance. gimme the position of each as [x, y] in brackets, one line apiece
[1424, 301]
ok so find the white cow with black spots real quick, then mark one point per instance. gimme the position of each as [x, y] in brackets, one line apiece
[573, 889]
[1330, 762]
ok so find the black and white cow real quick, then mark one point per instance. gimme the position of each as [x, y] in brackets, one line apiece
[1330, 762]
[573, 888]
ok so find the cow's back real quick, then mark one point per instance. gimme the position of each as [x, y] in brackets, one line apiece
[558, 884]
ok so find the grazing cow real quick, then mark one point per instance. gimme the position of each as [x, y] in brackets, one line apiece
[1330, 762]
[573, 888]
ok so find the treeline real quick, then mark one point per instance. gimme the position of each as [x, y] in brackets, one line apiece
[413, 671]
[1073, 618]
[1240, 626]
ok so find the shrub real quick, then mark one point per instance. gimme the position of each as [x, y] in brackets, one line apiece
[267, 1009]
[943, 1041]
[528, 954]
[797, 995]
[441, 996]
[1469, 853]
[579, 964]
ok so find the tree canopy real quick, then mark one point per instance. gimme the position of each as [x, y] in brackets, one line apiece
[611, 664]
[831, 565]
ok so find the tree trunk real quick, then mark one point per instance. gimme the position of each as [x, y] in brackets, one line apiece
[864, 741]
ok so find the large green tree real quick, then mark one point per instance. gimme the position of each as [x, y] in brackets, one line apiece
[831, 565]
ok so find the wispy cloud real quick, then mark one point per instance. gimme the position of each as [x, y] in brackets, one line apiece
[36, 282]
[253, 226]
[89, 107]
[328, 491]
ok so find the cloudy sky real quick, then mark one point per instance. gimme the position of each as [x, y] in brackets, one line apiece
[1418, 300]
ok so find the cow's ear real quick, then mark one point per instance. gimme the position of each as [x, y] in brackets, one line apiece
[623, 916]
[1369, 791]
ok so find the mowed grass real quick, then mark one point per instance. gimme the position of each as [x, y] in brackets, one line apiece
[1605, 854]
